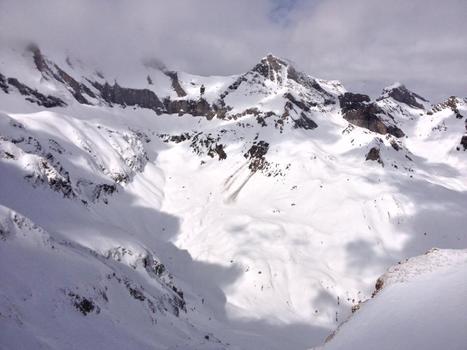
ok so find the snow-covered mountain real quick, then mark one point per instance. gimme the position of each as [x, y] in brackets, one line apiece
[157, 209]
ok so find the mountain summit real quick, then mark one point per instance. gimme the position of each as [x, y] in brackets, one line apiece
[401, 94]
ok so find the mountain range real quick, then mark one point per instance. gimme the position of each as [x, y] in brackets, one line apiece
[156, 209]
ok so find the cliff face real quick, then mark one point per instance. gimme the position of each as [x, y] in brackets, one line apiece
[358, 110]
[143, 98]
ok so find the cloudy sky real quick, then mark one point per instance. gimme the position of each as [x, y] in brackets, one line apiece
[367, 44]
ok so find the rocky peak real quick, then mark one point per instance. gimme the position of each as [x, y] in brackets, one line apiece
[282, 72]
[453, 103]
[50, 70]
[272, 63]
[272, 68]
[401, 94]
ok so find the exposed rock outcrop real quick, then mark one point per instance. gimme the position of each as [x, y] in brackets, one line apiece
[303, 105]
[35, 96]
[452, 103]
[374, 154]
[271, 68]
[276, 69]
[199, 107]
[115, 94]
[358, 110]
[256, 154]
[350, 101]
[78, 90]
[401, 94]
[3, 83]
[200, 144]
[464, 142]
[50, 70]
[176, 83]
[305, 123]
[308, 82]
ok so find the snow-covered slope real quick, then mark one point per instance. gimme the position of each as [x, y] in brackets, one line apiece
[250, 211]
[420, 304]
[59, 294]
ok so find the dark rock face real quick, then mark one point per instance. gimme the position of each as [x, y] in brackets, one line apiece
[51, 70]
[112, 94]
[196, 108]
[35, 96]
[350, 101]
[39, 59]
[402, 94]
[368, 119]
[219, 150]
[82, 304]
[464, 142]
[395, 131]
[374, 154]
[305, 123]
[256, 154]
[176, 138]
[209, 145]
[103, 189]
[358, 110]
[309, 83]
[176, 83]
[3, 83]
[269, 67]
[299, 103]
[135, 292]
[450, 103]
[232, 87]
[378, 286]
[258, 150]
[85, 306]
[78, 90]
[200, 144]
[144, 98]
[395, 145]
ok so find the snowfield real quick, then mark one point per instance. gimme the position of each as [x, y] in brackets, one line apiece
[256, 215]
[421, 306]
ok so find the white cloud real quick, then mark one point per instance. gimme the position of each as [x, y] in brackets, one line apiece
[364, 43]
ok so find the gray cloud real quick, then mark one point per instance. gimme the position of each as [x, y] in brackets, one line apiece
[365, 43]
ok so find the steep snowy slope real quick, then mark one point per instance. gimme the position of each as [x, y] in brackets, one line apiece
[251, 211]
[85, 271]
[420, 304]
[59, 294]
